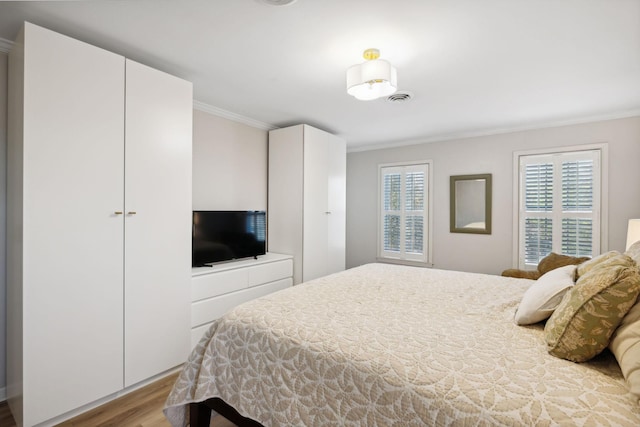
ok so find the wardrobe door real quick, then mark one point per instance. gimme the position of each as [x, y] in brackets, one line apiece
[157, 221]
[72, 234]
[337, 202]
[316, 208]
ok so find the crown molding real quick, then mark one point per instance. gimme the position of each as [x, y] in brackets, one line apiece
[497, 131]
[198, 105]
[5, 45]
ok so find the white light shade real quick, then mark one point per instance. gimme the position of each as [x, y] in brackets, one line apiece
[633, 232]
[372, 79]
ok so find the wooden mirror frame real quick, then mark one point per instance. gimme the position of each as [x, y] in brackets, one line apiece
[456, 205]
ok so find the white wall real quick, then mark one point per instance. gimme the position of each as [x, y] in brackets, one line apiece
[489, 154]
[229, 164]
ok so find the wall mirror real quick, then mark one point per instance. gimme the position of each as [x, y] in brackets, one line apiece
[470, 199]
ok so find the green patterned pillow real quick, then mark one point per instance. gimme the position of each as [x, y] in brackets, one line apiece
[594, 262]
[590, 312]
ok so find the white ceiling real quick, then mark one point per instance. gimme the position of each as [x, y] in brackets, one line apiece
[473, 67]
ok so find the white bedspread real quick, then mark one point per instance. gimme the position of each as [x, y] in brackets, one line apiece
[386, 345]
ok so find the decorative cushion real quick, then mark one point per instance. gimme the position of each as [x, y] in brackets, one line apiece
[634, 252]
[593, 262]
[581, 326]
[554, 260]
[521, 274]
[546, 264]
[542, 298]
[625, 345]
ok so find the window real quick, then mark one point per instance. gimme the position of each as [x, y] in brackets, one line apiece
[558, 205]
[256, 224]
[404, 205]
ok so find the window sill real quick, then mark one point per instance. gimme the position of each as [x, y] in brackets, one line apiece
[405, 262]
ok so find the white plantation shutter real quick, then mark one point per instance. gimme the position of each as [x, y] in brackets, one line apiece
[392, 194]
[559, 205]
[538, 241]
[577, 197]
[403, 214]
[414, 208]
[538, 222]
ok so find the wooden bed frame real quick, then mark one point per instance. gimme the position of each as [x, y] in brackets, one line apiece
[200, 414]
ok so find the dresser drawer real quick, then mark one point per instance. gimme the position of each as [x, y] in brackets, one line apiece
[208, 310]
[271, 272]
[198, 332]
[218, 289]
[211, 285]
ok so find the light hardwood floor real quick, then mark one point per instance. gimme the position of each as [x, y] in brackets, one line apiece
[141, 408]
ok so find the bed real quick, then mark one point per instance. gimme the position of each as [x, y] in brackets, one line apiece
[389, 345]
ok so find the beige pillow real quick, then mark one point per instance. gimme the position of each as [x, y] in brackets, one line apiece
[593, 262]
[634, 252]
[625, 345]
[539, 301]
[581, 326]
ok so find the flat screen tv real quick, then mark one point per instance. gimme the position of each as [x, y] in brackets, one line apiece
[227, 235]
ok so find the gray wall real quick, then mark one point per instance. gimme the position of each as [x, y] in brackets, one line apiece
[3, 216]
[229, 164]
[489, 154]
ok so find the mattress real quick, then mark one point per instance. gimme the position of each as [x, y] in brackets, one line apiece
[389, 345]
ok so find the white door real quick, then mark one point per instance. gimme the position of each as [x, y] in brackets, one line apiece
[157, 221]
[316, 209]
[73, 237]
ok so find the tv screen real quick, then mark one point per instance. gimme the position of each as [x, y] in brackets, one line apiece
[226, 235]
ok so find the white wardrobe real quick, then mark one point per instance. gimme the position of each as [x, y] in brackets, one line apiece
[99, 222]
[307, 200]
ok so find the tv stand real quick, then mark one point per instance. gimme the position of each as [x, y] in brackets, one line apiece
[217, 288]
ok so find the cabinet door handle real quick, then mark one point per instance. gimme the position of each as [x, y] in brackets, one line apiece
[118, 213]
[132, 213]
[328, 212]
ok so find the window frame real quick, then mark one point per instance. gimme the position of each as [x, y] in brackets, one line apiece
[428, 212]
[518, 244]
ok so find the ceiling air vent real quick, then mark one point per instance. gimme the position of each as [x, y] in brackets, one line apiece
[400, 97]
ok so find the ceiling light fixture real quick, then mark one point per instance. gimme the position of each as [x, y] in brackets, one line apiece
[278, 2]
[374, 78]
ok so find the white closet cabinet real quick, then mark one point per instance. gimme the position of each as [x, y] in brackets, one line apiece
[307, 199]
[157, 268]
[99, 202]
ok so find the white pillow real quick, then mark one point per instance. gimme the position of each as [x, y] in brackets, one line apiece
[625, 345]
[543, 297]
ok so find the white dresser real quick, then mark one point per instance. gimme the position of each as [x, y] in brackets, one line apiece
[215, 290]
